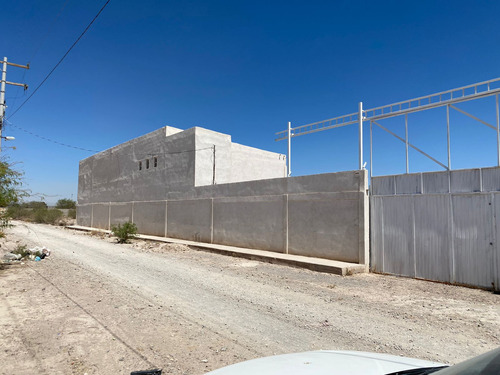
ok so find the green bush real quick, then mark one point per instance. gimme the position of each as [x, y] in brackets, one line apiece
[66, 203]
[38, 215]
[53, 215]
[18, 212]
[22, 250]
[124, 232]
[72, 213]
[44, 216]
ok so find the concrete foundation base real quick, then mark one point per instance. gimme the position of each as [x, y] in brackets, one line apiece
[314, 264]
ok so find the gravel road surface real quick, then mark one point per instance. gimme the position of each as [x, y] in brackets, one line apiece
[96, 307]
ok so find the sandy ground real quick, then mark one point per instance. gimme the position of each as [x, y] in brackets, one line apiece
[96, 307]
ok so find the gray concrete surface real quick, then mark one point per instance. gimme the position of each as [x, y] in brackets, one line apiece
[323, 216]
[255, 222]
[150, 217]
[331, 221]
[84, 214]
[190, 219]
[121, 213]
[100, 215]
[248, 161]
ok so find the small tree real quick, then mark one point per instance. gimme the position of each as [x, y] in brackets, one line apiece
[66, 203]
[10, 190]
[10, 182]
[124, 232]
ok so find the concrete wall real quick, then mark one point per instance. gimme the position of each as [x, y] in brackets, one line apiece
[205, 141]
[150, 217]
[254, 222]
[114, 176]
[321, 215]
[438, 226]
[233, 162]
[247, 162]
[184, 159]
[190, 219]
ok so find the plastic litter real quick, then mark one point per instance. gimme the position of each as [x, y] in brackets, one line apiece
[36, 253]
[147, 372]
[41, 250]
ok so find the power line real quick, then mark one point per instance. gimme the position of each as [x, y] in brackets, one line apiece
[50, 140]
[61, 60]
[95, 151]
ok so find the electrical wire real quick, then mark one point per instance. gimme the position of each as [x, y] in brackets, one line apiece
[52, 71]
[95, 151]
[61, 60]
[48, 139]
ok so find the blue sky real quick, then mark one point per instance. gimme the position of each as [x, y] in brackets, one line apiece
[245, 69]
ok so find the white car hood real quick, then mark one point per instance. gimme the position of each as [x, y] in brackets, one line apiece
[325, 362]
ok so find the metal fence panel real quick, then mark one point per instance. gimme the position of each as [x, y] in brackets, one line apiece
[432, 239]
[377, 234]
[473, 239]
[490, 179]
[408, 183]
[436, 182]
[465, 180]
[438, 235]
[496, 248]
[398, 235]
[383, 185]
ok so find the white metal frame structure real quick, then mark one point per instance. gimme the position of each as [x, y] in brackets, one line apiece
[441, 99]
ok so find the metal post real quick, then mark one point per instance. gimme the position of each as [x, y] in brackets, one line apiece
[498, 132]
[289, 156]
[371, 150]
[2, 97]
[406, 141]
[360, 118]
[213, 171]
[448, 132]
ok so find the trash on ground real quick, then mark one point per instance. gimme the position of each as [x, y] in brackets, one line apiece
[40, 251]
[10, 256]
[22, 252]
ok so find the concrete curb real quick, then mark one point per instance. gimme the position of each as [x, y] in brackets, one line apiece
[314, 264]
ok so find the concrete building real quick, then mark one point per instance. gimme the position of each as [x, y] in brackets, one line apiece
[168, 160]
[169, 184]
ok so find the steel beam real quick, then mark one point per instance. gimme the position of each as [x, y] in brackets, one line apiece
[409, 144]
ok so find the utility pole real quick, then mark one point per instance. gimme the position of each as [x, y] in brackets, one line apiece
[3, 82]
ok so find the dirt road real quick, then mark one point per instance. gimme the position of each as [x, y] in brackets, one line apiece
[96, 307]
